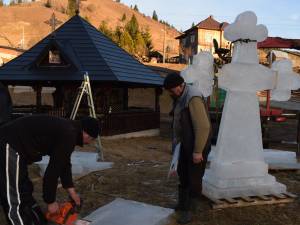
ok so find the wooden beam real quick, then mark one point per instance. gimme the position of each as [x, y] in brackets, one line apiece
[253, 200]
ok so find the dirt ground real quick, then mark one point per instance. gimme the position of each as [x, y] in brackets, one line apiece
[140, 173]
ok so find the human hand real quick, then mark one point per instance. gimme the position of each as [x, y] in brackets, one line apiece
[53, 208]
[74, 196]
[197, 158]
[173, 173]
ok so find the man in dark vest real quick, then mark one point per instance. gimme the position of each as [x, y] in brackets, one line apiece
[191, 128]
[24, 141]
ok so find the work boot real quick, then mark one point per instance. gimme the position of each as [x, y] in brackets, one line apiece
[184, 214]
[195, 204]
[184, 217]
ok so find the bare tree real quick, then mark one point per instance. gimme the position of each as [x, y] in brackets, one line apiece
[9, 42]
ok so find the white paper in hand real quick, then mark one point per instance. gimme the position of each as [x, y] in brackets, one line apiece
[174, 162]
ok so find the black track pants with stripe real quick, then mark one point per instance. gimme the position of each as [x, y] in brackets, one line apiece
[16, 190]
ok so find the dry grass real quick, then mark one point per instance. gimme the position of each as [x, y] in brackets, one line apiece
[13, 18]
[139, 173]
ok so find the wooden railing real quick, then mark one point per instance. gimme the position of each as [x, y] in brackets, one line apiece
[112, 124]
[126, 122]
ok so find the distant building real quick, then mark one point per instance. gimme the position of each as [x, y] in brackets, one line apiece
[200, 38]
[281, 48]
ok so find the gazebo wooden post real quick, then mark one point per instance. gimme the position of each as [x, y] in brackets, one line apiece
[38, 89]
[158, 92]
[125, 98]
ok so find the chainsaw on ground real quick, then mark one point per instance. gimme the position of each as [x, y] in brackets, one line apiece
[68, 214]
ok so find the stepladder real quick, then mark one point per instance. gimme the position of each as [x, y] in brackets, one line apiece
[86, 90]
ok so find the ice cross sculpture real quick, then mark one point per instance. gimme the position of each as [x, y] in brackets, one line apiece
[286, 80]
[237, 167]
[201, 73]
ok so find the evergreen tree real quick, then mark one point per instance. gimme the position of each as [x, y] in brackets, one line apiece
[71, 8]
[139, 45]
[48, 4]
[117, 35]
[193, 24]
[87, 19]
[148, 42]
[126, 42]
[132, 27]
[123, 17]
[136, 8]
[105, 29]
[129, 37]
[154, 16]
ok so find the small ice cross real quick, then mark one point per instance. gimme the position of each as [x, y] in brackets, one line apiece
[286, 80]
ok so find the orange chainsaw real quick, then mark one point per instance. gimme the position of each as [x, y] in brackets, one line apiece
[67, 215]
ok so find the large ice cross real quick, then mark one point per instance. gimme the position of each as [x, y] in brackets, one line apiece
[238, 167]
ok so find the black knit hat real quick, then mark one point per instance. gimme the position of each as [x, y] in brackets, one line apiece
[173, 80]
[90, 126]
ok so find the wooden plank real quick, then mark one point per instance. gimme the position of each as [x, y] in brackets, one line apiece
[255, 203]
[247, 199]
[244, 201]
[279, 196]
[217, 201]
[290, 195]
[231, 200]
[264, 197]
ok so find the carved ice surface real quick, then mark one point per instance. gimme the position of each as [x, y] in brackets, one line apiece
[238, 167]
[126, 212]
[287, 80]
[82, 163]
[201, 73]
[245, 27]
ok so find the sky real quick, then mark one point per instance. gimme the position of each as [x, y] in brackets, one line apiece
[282, 17]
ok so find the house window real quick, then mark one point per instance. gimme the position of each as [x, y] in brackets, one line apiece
[208, 38]
[183, 41]
[54, 57]
[192, 38]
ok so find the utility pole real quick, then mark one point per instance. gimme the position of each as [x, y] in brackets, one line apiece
[23, 39]
[22, 25]
[164, 45]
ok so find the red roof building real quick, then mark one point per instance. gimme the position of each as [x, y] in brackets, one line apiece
[275, 42]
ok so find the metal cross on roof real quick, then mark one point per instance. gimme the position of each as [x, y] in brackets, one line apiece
[53, 22]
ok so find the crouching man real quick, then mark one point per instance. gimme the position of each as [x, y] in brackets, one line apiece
[26, 140]
[192, 128]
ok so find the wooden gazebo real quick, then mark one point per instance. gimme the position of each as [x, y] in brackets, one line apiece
[60, 61]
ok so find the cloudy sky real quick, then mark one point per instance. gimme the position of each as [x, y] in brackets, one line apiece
[282, 17]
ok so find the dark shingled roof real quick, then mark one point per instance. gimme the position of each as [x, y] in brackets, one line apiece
[83, 48]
